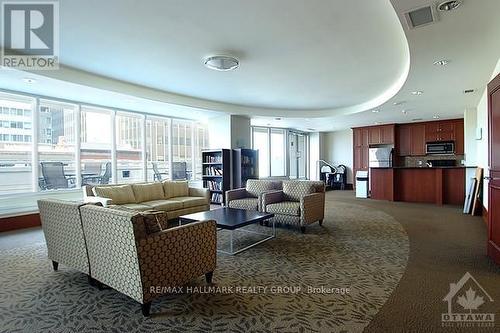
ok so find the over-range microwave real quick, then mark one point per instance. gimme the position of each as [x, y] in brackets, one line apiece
[440, 148]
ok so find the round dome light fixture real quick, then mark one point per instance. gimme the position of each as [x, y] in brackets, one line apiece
[449, 5]
[222, 63]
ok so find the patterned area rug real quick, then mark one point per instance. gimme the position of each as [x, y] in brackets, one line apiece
[334, 278]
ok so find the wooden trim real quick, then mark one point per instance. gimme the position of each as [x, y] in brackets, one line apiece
[485, 215]
[20, 222]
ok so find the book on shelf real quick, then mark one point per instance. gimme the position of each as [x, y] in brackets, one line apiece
[213, 159]
[213, 185]
[213, 171]
[217, 197]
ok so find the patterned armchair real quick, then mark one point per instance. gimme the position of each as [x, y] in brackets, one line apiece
[63, 233]
[299, 203]
[143, 266]
[250, 198]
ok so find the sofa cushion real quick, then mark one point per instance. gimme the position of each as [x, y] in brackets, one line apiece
[165, 205]
[175, 189]
[148, 192]
[188, 202]
[119, 194]
[247, 203]
[284, 208]
[255, 187]
[293, 190]
[133, 207]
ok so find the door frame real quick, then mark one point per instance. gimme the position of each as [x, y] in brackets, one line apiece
[493, 249]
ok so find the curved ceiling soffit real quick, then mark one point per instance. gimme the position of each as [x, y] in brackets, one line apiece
[77, 76]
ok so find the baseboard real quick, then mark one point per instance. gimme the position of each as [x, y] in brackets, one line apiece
[485, 215]
[20, 222]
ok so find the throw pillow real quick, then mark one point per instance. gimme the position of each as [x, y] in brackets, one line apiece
[148, 192]
[119, 194]
[174, 189]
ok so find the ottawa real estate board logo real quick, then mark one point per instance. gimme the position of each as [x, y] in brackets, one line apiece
[30, 35]
[468, 303]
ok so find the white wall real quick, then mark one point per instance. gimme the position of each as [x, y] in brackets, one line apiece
[337, 149]
[316, 143]
[481, 157]
[219, 132]
[240, 132]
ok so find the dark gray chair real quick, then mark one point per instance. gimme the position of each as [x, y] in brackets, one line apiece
[179, 171]
[53, 176]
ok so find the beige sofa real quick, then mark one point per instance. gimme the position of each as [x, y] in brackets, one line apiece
[175, 198]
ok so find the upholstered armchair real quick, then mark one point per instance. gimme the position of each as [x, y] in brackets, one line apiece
[299, 203]
[142, 265]
[250, 198]
[63, 233]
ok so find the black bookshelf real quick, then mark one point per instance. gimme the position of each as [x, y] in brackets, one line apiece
[245, 166]
[217, 173]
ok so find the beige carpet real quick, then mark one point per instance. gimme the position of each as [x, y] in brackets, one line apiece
[363, 250]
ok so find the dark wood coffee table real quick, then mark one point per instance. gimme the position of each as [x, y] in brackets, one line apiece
[232, 219]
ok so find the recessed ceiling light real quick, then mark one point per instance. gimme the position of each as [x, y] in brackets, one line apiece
[417, 92]
[377, 123]
[442, 62]
[399, 103]
[311, 129]
[449, 5]
[268, 124]
[29, 80]
[277, 118]
[435, 116]
[222, 63]
[404, 111]
[376, 111]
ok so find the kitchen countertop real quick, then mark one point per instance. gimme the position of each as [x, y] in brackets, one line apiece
[426, 167]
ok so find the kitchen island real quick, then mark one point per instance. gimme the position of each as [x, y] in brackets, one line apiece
[437, 185]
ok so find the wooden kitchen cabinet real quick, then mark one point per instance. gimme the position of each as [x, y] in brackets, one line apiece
[374, 135]
[403, 146]
[439, 131]
[417, 137]
[387, 133]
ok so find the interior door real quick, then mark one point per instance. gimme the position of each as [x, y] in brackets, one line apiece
[494, 170]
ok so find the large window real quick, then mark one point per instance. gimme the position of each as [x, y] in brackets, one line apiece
[53, 146]
[261, 143]
[157, 148]
[56, 146]
[129, 148]
[282, 152]
[95, 151]
[182, 149]
[15, 144]
[278, 152]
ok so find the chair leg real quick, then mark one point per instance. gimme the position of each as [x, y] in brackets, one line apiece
[55, 265]
[146, 309]
[209, 276]
[303, 229]
[320, 222]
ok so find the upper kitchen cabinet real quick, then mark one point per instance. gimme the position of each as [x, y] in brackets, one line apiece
[381, 135]
[447, 130]
[411, 140]
[403, 146]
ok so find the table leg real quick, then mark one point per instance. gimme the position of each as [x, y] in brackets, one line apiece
[231, 241]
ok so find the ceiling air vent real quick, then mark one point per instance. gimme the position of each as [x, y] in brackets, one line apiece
[421, 16]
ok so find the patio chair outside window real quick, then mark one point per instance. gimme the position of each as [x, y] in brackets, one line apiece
[54, 177]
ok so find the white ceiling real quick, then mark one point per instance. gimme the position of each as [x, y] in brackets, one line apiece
[316, 66]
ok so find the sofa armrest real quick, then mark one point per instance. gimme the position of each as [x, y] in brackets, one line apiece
[186, 252]
[312, 208]
[270, 198]
[200, 192]
[236, 194]
[105, 202]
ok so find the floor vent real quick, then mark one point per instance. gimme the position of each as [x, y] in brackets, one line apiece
[421, 16]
